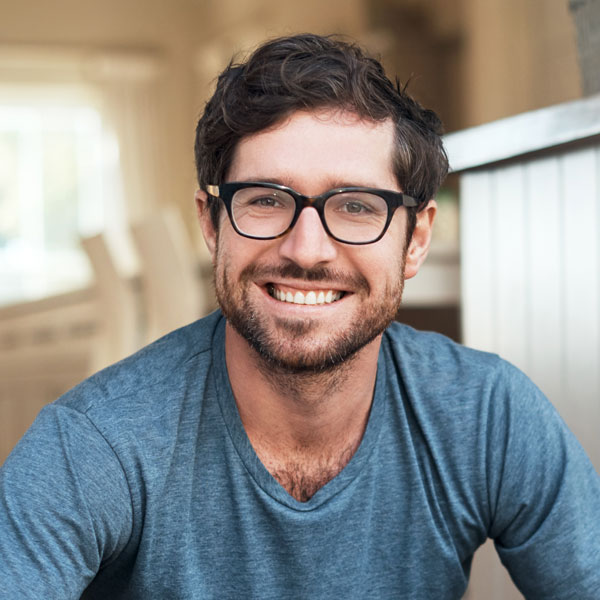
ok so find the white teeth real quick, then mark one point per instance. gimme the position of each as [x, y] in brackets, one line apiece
[311, 297]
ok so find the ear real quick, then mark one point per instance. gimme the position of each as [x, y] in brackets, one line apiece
[421, 238]
[208, 230]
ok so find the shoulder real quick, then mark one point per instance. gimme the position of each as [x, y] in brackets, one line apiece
[472, 404]
[459, 389]
[432, 357]
[151, 377]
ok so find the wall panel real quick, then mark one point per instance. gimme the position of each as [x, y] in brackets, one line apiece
[543, 230]
[478, 301]
[509, 267]
[531, 277]
[581, 311]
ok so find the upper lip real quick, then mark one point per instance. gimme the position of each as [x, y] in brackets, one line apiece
[305, 286]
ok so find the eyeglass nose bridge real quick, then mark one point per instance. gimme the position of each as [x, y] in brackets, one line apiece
[316, 202]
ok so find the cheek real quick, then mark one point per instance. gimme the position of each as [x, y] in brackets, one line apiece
[224, 267]
[384, 266]
[235, 252]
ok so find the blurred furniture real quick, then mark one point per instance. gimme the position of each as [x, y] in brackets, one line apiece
[45, 348]
[530, 251]
[48, 346]
[117, 312]
[172, 292]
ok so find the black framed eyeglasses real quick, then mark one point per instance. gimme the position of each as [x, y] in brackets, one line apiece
[352, 215]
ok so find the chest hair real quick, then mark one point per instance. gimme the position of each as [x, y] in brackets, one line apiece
[302, 477]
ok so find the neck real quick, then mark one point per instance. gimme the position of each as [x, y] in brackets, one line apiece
[302, 426]
[300, 408]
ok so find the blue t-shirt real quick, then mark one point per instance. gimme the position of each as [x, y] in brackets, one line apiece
[141, 483]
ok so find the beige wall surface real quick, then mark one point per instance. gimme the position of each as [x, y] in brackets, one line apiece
[167, 29]
[517, 56]
[193, 38]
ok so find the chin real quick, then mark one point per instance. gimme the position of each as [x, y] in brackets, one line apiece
[296, 346]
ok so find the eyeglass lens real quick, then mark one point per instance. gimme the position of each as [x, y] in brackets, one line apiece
[350, 216]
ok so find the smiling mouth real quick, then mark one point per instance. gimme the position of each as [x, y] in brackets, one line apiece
[312, 297]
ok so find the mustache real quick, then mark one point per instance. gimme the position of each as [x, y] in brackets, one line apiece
[341, 279]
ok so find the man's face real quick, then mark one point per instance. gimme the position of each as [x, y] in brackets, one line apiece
[357, 289]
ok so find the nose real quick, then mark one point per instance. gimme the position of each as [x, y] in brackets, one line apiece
[308, 244]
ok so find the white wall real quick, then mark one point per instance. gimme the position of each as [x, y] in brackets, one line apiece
[531, 277]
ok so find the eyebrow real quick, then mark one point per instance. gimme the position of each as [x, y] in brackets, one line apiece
[333, 184]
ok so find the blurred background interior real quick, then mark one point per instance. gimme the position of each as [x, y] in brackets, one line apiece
[100, 252]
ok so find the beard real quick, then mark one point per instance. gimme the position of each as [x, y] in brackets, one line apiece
[299, 345]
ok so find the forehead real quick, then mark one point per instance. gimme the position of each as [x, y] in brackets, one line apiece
[315, 151]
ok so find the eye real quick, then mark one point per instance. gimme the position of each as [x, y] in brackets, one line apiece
[270, 201]
[261, 202]
[354, 207]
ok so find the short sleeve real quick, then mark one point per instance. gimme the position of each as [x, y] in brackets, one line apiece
[65, 507]
[544, 496]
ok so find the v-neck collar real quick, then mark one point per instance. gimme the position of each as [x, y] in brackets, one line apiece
[252, 462]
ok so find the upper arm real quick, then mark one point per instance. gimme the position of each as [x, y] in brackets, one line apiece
[545, 497]
[65, 507]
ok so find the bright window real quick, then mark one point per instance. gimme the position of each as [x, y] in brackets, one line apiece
[59, 180]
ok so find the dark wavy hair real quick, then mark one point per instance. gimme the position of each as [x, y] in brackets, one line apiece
[310, 72]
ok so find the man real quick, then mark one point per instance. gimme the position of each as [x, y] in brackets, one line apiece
[297, 444]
